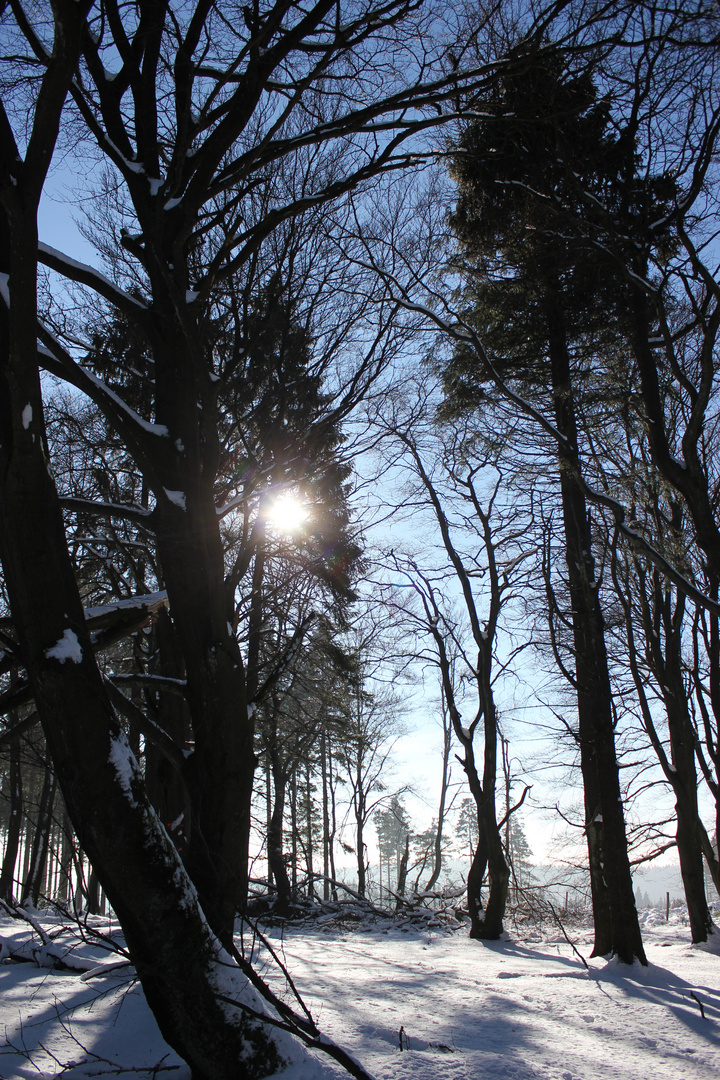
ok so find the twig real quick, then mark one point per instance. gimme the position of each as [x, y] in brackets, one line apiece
[700, 1004]
[564, 934]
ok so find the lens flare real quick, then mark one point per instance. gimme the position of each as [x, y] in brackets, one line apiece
[287, 513]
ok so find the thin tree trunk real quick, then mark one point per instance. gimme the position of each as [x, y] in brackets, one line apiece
[66, 858]
[445, 779]
[41, 841]
[360, 856]
[333, 831]
[308, 826]
[294, 827]
[276, 857]
[325, 812]
[12, 839]
[403, 871]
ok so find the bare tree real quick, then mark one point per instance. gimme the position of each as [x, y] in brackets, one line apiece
[189, 111]
[481, 562]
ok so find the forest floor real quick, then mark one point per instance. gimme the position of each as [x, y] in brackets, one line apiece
[520, 1009]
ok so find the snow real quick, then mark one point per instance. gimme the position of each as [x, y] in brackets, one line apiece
[520, 1009]
[27, 415]
[130, 603]
[90, 271]
[123, 760]
[66, 648]
[176, 497]
[146, 425]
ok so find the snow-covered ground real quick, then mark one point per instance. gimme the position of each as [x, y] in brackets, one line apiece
[519, 1009]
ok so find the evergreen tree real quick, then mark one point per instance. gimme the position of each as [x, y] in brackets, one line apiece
[535, 298]
[393, 829]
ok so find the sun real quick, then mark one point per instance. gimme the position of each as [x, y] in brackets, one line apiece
[287, 513]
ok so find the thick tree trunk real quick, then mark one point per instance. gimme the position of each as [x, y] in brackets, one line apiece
[691, 868]
[487, 923]
[178, 959]
[617, 929]
[475, 878]
[179, 962]
[219, 772]
[165, 785]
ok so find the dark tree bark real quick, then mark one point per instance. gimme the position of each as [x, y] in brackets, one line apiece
[444, 782]
[615, 918]
[662, 624]
[178, 960]
[33, 886]
[275, 852]
[165, 782]
[403, 872]
[708, 723]
[12, 838]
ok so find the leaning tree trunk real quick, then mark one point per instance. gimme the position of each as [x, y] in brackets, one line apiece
[486, 923]
[180, 963]
[179, 960]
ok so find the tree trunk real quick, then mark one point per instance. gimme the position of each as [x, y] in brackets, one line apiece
[682, 774]
[403, 871]
[276, 857]
[475, 878]
[487, 923]
[41, 841]
[165, 785]
[333, 829]
[617, 930]
[178, 959]
[437, 853]
[66, 857]
[219, 771]
[309, 828]
[325, 811]
[360, 856]
[12, 839]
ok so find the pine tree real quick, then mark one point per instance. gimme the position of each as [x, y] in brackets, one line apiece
[535, 295]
